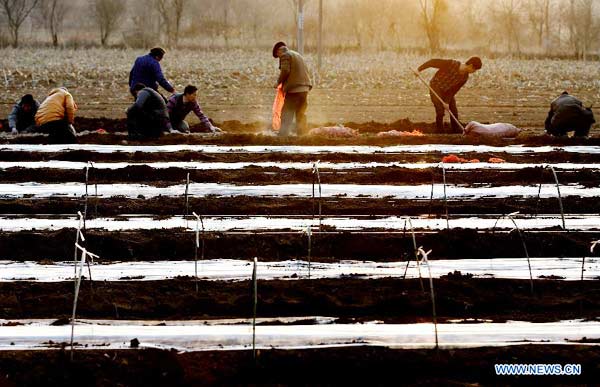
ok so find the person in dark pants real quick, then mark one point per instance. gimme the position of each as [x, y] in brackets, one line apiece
[56, 116]
[22, 117]
[148, 116]
[449, 79]
[566, 114]
[294, 76]
[146, 70]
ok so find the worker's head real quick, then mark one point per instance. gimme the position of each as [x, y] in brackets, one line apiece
[157, 53]
[190, 93]
[279, 49]
[136, 89]
[473, 64]
[27, 103]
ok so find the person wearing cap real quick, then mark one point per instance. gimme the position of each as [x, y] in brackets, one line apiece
[22, 117]
[56, 116]
[447, 81]
[148, 116]
[146, 70]
[296, 83]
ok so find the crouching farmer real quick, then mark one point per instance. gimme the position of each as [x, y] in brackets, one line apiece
[22, 117]
[294, 77]
[181, 104]
[147, 117]
[567, 114]
[56, 116]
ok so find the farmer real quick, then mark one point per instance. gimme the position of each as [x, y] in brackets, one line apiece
[22, 117]
[181, 104]
[147, 70]
[566, 114]
[294, 78]
[56, 116]
[148, 116]
[451, 76]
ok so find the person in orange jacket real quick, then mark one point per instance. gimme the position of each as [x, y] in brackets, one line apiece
[56, 116]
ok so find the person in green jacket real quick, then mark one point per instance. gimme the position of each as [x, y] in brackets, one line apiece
[295, 79]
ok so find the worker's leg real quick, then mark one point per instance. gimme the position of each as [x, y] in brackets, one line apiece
[302, 105]
[60, 132]
[439, 113]
[455, 126]
[287, 114]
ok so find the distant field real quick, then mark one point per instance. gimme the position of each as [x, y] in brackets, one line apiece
[236, 85]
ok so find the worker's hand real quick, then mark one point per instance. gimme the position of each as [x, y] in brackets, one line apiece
[446, 106]
[216, 129]
[14, 131]
[276, 86]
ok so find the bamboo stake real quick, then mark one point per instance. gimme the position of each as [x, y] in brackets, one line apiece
[198, 222]
[254, 303]
[309, 233]
[426, 260]
[445, 197]
[316, 172]
[416, 252]
[84, 255]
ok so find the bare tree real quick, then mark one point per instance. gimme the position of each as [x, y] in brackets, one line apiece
[509, 16]
[53, 14]
[432, 13]
[16, 11]
[178, 7]
[171, 16]
[538, 15]
[108, 15]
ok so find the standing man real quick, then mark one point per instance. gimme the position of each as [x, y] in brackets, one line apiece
[56, 116]
[451, 76]
[147, 117]
[147, 70]
[181, 104]
[293, 75]
[22, 118]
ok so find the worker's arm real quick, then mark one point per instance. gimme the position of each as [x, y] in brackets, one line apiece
[12, 117]
[435, 63]
[161, 78]
[70, 109]
[202, 117]
[285, 68]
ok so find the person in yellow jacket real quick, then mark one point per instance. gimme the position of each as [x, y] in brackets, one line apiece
[56, 116]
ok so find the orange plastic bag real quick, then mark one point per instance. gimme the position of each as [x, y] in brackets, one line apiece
[278, 108]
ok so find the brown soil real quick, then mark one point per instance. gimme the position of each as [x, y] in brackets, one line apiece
[391, 300]
[245, 205]
[370, 366]
[256, 175]
[430, 157]
[329, 247]
[239, 133]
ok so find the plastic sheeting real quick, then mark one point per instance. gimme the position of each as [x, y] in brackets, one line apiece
[240, 270]
[202, 337]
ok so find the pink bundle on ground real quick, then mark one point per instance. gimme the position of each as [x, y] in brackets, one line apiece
[278, 108]
[396, 133]
[475, 128]
[333, 131]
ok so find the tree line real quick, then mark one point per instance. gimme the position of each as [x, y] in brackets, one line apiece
[546, 27]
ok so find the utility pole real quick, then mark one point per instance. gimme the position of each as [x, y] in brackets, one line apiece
[301, 27]
[320, 42]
